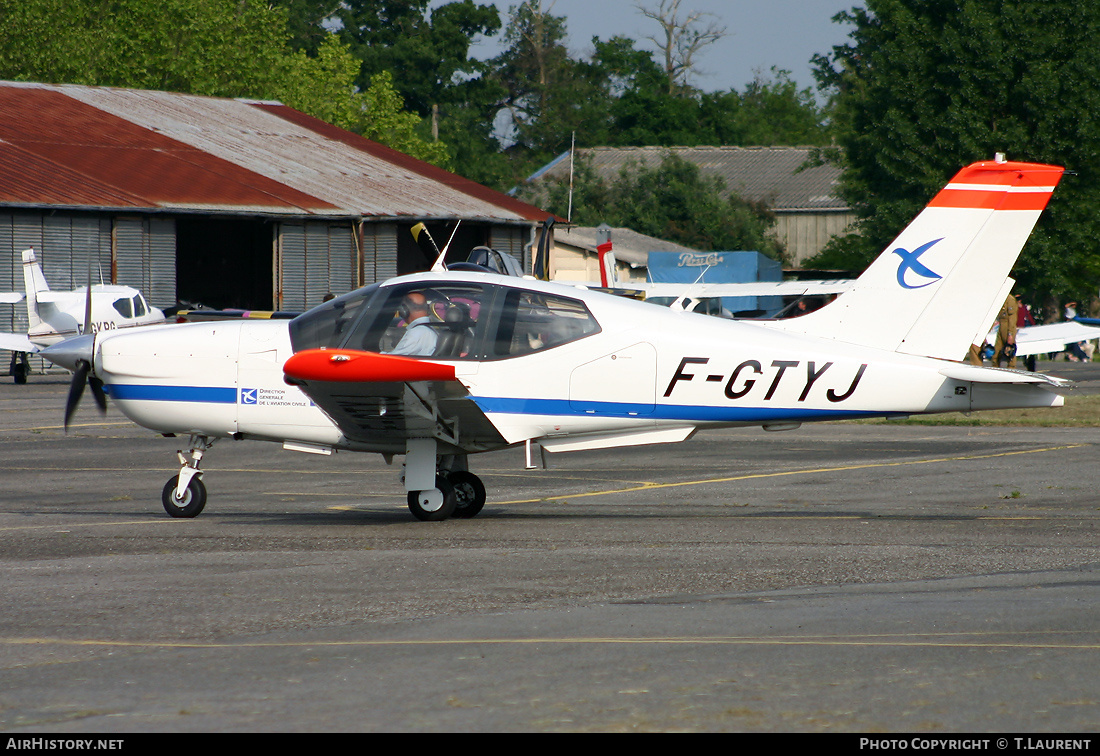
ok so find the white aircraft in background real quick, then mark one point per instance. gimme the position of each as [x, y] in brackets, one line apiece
[517, 362]
[54, 316]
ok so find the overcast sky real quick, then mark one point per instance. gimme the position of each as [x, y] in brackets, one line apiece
[783, 33]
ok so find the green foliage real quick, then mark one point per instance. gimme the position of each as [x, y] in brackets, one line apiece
[927, 86]
[673, 201]
[209, 47]
[430, 50]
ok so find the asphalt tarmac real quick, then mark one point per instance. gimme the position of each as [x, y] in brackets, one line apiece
[839, 578]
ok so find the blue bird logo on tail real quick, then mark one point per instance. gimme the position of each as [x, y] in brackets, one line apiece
[911, 261]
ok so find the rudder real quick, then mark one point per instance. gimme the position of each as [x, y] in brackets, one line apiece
[930, 292]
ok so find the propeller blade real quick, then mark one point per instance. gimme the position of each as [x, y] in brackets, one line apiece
[76, 390]
[542, 256]
[98, 392]
[88, 303]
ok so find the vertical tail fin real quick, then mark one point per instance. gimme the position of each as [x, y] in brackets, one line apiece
[932, 289]
[34, 282]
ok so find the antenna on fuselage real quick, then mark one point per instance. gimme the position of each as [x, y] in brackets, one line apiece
[427, 244]
[678, 304]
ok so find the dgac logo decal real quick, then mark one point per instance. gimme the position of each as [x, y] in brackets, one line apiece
[911, 261]
[263, 397]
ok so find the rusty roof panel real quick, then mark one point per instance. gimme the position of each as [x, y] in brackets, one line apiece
[270, 140]
[134, 160]
[30, 179]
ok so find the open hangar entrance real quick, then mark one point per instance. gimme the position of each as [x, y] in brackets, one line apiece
[511, 239]
[224, 263]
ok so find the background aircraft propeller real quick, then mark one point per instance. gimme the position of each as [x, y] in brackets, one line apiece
[82, 368]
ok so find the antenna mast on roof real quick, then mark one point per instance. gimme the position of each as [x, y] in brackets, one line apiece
[572, 146]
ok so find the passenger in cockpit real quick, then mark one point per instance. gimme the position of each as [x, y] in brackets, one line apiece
[419, 338]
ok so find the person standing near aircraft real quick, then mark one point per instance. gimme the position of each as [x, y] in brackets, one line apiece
[419, 339]
[1005, 348]
[1024, 320]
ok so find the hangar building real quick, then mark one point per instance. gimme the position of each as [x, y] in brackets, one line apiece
[226, 202]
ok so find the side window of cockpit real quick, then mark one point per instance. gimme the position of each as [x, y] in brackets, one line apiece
[424, 320]
[531, 321]
[139, 306]
[125, 307]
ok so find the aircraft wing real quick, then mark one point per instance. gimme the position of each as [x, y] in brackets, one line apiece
[1054, 337]
[381, 400]
[751, 289]
[17, 343]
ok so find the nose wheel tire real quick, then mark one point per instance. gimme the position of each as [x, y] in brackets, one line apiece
[433, 504]
[194, 498]
[469, 493]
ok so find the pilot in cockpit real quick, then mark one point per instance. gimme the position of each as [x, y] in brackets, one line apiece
[419, 338]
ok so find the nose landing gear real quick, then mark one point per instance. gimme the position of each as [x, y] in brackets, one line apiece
[184, 494]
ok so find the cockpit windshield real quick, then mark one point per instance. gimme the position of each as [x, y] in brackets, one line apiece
[452, 320]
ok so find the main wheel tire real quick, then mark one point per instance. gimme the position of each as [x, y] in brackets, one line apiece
[194, 498]
[469, 493]
[433, 505]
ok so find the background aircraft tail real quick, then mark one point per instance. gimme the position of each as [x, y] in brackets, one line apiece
[34, 282]
[931, 292]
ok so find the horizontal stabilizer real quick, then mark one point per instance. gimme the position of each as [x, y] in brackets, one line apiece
[976, 374]
[10, 297]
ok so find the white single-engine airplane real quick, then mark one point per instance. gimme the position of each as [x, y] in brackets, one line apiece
[53, 316]
[508, 362]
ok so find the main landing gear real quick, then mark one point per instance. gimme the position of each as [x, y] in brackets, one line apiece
[459, 493]
[438, 487]
[184, 494]
[454, 491]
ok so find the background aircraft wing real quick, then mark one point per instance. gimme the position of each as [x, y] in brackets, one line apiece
[17, 343]
[1050, 338]
[751, 289]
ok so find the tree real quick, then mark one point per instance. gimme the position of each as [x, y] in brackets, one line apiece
[927, 86]
[681, 39]
[431, 49]
[769, 112]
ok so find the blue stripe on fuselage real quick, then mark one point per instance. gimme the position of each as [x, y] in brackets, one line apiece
[522, 406]
[698, 413]
[208, 394]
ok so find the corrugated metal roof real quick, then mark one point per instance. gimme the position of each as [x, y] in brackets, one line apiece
[161, 150]
[774, 175]
[629, 246]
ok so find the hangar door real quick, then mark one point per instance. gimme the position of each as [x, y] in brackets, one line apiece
[225, 262]
[315, 260]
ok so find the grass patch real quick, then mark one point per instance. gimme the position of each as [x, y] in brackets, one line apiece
[1078, 412]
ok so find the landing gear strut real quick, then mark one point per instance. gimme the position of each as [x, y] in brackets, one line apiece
[20, 367]
[184, 494]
